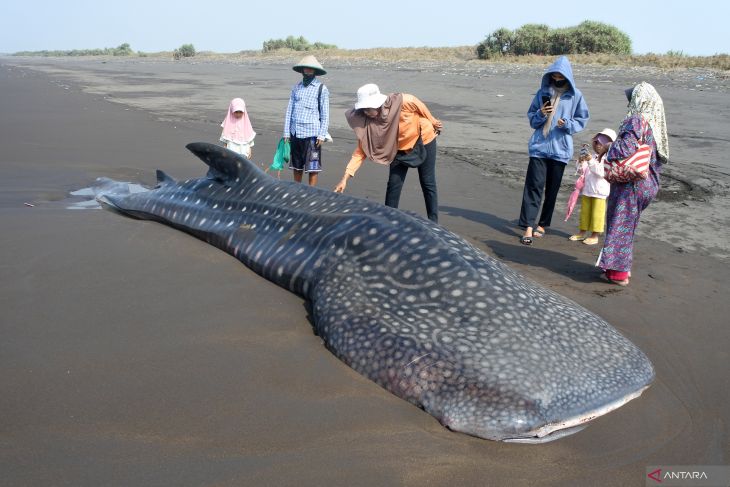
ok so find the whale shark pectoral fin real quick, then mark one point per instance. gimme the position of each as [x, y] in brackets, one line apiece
[225, 165]
[163, 179]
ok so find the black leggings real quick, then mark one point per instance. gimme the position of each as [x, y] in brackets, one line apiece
[427, 178]
[542, 174]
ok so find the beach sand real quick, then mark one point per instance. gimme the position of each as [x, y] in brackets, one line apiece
[134, 354]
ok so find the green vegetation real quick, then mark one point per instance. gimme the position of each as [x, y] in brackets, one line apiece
[186, 50]
[587, 37]
[533, 39]
[122, 50]
[434, 57]
[295, 44]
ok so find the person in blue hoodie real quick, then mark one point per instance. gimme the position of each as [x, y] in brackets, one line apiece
[557, 111]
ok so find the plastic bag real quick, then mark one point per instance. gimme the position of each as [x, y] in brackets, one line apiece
[282, 155]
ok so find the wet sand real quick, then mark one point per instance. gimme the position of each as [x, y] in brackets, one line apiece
[133, 354]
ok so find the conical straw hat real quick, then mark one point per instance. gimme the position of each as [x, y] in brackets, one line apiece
[310, 62]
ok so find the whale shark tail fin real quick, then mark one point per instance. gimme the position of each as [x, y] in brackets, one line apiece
[225, 165]
[163, 179]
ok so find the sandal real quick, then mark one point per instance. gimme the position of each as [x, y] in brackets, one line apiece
[577, 237]
[590, 240]
[538, 233]
[623, 283]
[526, 240]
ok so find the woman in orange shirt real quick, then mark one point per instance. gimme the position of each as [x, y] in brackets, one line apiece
[388, 129]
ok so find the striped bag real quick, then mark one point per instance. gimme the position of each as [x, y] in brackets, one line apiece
[633, 168]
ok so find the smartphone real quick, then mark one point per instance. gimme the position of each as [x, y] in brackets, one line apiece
[545, 99]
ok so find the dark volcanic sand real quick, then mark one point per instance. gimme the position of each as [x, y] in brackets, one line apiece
[133, 354]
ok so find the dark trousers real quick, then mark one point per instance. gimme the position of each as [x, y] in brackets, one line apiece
[542, 174]
[427, 178]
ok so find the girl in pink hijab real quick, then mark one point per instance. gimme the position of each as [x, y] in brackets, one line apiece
[237, 132]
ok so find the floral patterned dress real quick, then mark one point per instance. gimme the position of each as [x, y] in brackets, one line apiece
[627, 200]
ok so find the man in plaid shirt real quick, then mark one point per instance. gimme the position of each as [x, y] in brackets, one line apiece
[307, 120]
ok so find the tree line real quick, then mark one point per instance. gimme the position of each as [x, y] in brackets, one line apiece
[586, 37]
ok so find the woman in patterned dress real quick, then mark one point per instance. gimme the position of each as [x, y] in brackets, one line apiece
[628, 200]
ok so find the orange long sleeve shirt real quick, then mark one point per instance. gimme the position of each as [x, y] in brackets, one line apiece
[413, 115]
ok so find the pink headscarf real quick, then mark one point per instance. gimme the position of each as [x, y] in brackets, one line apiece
[237, 130]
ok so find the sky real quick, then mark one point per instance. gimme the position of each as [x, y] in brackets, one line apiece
[695, 28]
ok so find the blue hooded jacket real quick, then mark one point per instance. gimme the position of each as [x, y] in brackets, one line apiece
[558, 145]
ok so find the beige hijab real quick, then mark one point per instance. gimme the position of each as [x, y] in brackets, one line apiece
[378, 136]
[554, 101]
[646, 102]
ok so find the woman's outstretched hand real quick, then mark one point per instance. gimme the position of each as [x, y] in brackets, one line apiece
[340, 188]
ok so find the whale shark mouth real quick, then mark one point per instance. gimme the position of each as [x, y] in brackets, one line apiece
[554, 431]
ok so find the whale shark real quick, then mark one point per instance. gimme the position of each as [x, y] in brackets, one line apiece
[408, 304]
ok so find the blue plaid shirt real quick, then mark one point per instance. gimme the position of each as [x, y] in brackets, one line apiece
[303, 116]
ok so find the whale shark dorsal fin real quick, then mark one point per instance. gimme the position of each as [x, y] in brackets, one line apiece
[163, 179]
[225, 165]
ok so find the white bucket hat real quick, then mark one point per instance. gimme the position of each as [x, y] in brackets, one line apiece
[610, 133]
[369, 96]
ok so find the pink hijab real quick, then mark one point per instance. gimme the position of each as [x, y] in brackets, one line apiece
[237, 130]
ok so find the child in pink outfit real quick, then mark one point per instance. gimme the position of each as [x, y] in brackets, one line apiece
[595, 189]
[238, 134]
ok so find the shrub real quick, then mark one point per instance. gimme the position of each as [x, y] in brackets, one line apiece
[531, 39]
[122, 50]
[587, 37]
[322, 45]
[591, 37]
[562, 41]
[295, 44]
[496, 44]
[186, 50]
